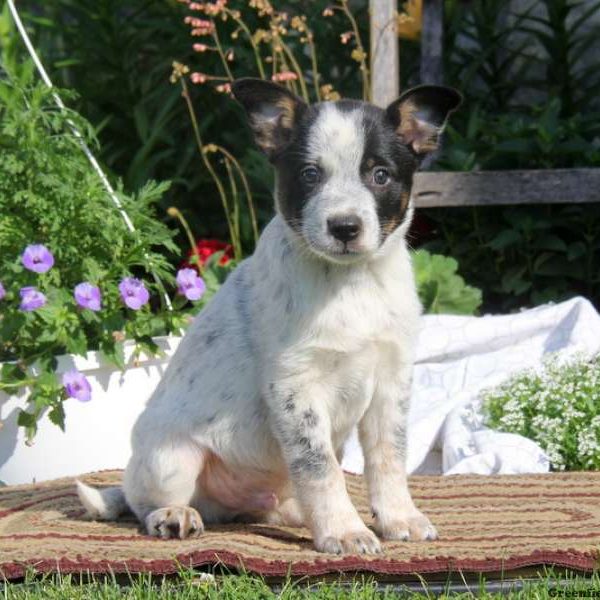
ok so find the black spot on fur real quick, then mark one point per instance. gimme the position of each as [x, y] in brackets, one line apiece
[290, 405]
[384, 148]
[285, 249]
[312, 463]
[400, 441]
[310, 418]
[310, 458]
[293, 192]
[289, 305]
[211, 336]
[226, 397]
[260, 414]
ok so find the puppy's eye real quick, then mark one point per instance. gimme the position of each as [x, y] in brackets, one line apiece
[381, 176]
[310, 175]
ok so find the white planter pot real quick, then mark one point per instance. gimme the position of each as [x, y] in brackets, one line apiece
[97, 432]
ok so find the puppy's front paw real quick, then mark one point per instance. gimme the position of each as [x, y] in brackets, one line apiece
[362, 541]
[416, 526]
[174, 522]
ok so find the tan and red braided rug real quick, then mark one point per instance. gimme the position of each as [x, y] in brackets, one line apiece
[496, 523]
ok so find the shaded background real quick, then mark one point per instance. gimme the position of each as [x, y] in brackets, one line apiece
[529, 72]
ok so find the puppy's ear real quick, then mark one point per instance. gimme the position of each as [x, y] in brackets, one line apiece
[272, 111]
[420, 114]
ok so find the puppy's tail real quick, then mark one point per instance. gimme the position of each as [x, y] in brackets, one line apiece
[105, 505]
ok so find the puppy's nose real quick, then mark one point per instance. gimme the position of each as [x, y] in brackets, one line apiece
[346, 228]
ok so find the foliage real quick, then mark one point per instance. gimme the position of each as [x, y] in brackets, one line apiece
[190, 585]
[118, 56]
[529, 80]
[523, 255]
[279, 42]
[440, 288]
[530, 83]
[50, 195]
[531, 101]
[558, 407]
[538, 139]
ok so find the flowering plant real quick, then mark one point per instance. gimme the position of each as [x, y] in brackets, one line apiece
[204, 249]
[558, 407]
[73, 277]
[232, 39]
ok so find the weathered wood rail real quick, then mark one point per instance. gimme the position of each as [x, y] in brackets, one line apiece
[489, 188]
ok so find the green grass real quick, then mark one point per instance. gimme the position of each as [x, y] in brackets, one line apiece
[229, 587]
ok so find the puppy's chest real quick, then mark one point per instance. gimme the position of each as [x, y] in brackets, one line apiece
[357, 318]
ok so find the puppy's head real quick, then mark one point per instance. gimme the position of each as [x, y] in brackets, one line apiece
[344, 169]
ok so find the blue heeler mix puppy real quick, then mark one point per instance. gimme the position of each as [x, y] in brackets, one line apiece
[310, 336]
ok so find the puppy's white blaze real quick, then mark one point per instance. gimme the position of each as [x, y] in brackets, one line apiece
[336, 142]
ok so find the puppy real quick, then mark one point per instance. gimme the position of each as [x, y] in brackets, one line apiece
[310, 336]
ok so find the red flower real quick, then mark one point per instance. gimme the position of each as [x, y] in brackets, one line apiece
[206, 248]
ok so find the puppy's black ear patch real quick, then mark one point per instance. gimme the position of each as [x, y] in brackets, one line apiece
[420, 114]
[273, 112]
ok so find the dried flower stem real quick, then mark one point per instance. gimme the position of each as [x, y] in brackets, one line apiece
[273, 60]
[363, 63]
[246, 186]
[177, 214]
[204, 154]
[235, 196]
[296, 67]
[315, 67]
[215, 35]
[244, 27]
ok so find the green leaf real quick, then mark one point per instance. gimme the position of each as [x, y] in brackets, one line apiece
[551, 242]
[26, 419]
[505, 239]
[440, 289]
[12, 373]
[77, 343]
[576, 250]
[114, 352]
[57, 415]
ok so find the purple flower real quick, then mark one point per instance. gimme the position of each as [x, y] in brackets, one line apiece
[133, 292]
[2, 291]
[190, 284]
[88, 296]
[77, 385]
[37, 258]
[31, 299]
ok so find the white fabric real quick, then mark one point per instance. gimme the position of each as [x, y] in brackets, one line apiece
[457, 357]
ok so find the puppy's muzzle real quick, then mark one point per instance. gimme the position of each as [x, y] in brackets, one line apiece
[345, 228]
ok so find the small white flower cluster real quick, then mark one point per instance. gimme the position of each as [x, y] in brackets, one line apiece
[558, 407]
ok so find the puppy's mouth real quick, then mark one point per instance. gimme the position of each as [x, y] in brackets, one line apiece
[339, 252]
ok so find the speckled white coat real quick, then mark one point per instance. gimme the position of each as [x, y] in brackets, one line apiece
[293, 351]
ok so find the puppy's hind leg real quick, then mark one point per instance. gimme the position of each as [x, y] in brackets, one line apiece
[161, 488]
